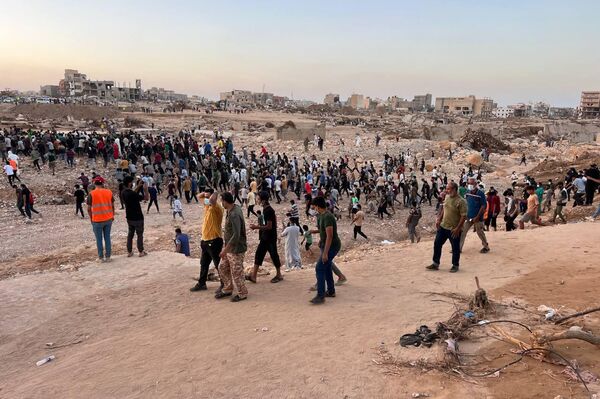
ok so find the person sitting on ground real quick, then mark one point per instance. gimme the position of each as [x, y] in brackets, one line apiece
[182, 243]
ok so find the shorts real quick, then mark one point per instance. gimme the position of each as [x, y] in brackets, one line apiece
[307, 246]
[262, 249]
[527, 218]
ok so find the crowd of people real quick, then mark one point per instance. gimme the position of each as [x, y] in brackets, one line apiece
[225, 179]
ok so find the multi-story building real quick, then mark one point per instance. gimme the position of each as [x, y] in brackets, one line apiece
[238, 97]
[422, 102]
[263, 98]
[49, 91]
[467, 106]
[503, 112]
[164, 95]
[76, 84]
[331, 99]
[356, 101]
[589, 106]
[395, 102]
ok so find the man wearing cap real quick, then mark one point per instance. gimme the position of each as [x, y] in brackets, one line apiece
[101, 208]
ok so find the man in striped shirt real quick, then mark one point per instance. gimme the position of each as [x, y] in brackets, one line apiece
[293, 214]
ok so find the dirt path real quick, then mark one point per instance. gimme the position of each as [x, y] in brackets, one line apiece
[143, 334]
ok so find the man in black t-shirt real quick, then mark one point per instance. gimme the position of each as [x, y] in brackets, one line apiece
[133, 212]
[79, 195]
[267, 236]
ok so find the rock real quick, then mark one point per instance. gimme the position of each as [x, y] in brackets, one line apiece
[475, 159]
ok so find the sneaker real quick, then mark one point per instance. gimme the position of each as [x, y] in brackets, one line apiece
[108, 259]
[484, 250]
[198, 287]
[341, 281]
[317, 300]
[129, 254]
[330, 295]
[143, 253]
[433, 266]
[454, 269]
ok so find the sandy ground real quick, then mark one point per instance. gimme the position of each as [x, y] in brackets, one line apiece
[132, 329]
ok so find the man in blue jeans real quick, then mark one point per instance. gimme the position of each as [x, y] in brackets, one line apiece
[449, 225]
[101, 208]
[330, 245]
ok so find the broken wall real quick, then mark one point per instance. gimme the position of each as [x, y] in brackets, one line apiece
[299, 134]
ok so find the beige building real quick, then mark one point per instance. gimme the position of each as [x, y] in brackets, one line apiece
[357, 101]
[589, 106]
[238, 97]
[467, 106]
[331, 99]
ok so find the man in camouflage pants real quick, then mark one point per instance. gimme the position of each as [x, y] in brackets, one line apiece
[231, 269]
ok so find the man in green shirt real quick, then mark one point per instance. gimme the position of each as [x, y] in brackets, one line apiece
[231, 268]
[449, 226]
[330, 245]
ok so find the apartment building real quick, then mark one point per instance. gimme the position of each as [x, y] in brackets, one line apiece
[589, 107]
[466, 106]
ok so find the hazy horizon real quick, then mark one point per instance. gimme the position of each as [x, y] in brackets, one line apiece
[510, 51]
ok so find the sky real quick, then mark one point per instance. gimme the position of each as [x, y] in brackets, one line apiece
[510, 51]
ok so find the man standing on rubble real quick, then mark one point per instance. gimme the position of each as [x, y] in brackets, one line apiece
[449, 224]
[476, 205]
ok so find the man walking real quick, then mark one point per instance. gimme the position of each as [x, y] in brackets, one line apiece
[231, 269]
[476, 205]
[267, 240]
[449, 225]
[330, 245]
[357, 220]
[211, 243]
[133, 213]
[561, 202]
[101, 208]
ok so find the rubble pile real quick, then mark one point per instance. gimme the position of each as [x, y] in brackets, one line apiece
[64, 111]
[479, 139]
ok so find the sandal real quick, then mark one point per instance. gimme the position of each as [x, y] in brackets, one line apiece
[276, 279]
[222, 294]
[238, 298]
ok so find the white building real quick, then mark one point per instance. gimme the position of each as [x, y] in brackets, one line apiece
[503, 112]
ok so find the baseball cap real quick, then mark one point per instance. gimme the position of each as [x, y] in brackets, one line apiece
[98, 180]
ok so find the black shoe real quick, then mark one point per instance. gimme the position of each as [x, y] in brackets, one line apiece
[330, 295]
[484, 250]
[433, 266]
[454, 269]
[317, 300]
[238, 298]
[198, 287]
[222, 295]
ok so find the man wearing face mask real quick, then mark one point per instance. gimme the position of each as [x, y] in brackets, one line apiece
[476, 205]
[212, 237]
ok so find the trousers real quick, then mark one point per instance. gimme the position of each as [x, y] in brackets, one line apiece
[135, 227]
[102, 231]
[441, 237]
[231, 272]
[478, 228]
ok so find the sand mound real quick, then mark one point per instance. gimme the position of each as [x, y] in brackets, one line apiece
[61, 111]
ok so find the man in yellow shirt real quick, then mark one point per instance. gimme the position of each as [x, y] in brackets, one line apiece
[211, 242]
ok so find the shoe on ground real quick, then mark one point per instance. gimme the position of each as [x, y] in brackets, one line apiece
[484, 250]
[317, 300]
[222, 295]
[143, 253]
[238, 298]
[108, 259]
[454, 269]
[199, 287]
[330, 295]
[313, 288]
[341, 282]
[129, 254]
[433, 266]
